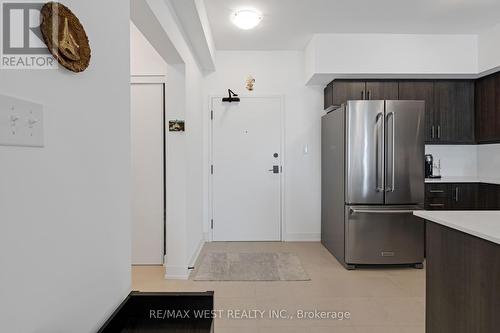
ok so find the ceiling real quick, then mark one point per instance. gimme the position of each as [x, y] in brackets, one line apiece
[289, 24]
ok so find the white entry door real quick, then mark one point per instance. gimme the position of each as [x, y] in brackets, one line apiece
[147, 173]
[246, 180]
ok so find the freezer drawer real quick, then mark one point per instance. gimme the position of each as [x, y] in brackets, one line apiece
[383, 235]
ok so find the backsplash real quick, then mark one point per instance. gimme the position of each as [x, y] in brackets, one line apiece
[489, 161]
[456, 160]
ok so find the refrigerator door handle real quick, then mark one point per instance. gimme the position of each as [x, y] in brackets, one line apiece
[380, 211]
[379, 148]
[392, 115]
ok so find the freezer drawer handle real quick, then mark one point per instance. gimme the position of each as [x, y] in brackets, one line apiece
[374, 211]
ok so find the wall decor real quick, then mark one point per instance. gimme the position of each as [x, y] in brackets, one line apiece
[69, 44]
[250, 83]
[176, 126]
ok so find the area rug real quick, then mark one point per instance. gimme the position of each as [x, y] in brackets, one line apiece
[258, 266]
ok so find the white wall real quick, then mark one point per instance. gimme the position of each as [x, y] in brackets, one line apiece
[65, 208]
[456, 160]
[184, 150]
[481, 162]
[382, 55]
[489, 49]
[144, 59]
[489, 162]
[280, 72]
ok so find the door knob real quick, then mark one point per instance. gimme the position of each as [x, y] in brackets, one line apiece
[275, 169]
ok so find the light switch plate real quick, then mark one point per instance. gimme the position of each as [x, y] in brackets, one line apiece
[21, 122]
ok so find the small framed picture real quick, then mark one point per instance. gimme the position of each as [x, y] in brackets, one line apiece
[176, 126]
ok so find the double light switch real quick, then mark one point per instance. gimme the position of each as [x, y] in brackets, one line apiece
[21, 122]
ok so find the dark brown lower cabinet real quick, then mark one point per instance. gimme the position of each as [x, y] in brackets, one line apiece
[462, 282]
[462, 196]
[489, 197]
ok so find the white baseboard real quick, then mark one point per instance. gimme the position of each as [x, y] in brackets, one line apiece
[182, 272]
[303, 237]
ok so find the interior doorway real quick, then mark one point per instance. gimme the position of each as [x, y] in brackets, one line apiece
[148, 171]
[247, 169]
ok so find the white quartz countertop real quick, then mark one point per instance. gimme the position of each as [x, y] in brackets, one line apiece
[464, 179]
[482, 224]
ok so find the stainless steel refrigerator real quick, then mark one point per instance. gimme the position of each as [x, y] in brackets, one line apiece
[372, 181]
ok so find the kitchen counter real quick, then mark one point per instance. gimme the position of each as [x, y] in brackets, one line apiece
[462, 271]
[484, 180]
[482, 224]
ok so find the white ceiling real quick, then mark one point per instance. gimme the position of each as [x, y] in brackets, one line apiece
[288, 24]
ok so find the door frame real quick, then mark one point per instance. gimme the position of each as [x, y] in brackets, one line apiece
[159, 80]
[211, 161]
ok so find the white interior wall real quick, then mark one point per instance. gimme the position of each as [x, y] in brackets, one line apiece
[146, 62]
[279, 72]
[381, 55]
[456, 160]
[185, 150]
[65, 208]
[489, 162]
[144, 59]
[489, 49]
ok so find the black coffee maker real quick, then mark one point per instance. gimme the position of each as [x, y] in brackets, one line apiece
[429, 167]
[429, 162]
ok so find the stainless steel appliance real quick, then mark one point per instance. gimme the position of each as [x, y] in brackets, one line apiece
[372, 181]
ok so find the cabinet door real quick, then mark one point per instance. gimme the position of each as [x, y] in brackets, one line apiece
[378, 90]
[421, 91]
[485, 109]
[489, 197]
[464, 196]
[344, 91]
[454, 106]
[328, 96]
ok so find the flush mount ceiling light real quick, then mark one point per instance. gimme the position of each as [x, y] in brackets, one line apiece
[246, 19]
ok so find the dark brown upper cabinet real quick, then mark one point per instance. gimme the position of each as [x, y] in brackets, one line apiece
[449, 117]
[421, 91]
[488, 109]
[378, 90]
[328, 96]
[338, 92]
[344, 91]
[453, 112]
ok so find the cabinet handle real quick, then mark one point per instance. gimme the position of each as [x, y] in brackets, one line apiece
[433, 131]
[439, 131]
[456, 194]
[368, 97]
[436, 205]
[362, 95]
[436, 191]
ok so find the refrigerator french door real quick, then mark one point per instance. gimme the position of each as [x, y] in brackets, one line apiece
[384, 152]
[384, 182]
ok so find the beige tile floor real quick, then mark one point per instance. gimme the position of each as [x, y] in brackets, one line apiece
[378, 300]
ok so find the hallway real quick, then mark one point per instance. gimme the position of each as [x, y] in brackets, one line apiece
[378, 300]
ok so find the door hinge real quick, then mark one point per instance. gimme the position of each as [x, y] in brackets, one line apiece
[212, 114]
[211, 223]
[212, 169]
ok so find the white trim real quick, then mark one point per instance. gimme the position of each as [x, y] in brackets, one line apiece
[196, 253]
[283, 159]
[176, 273]
[303, 237]
[148, 79]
